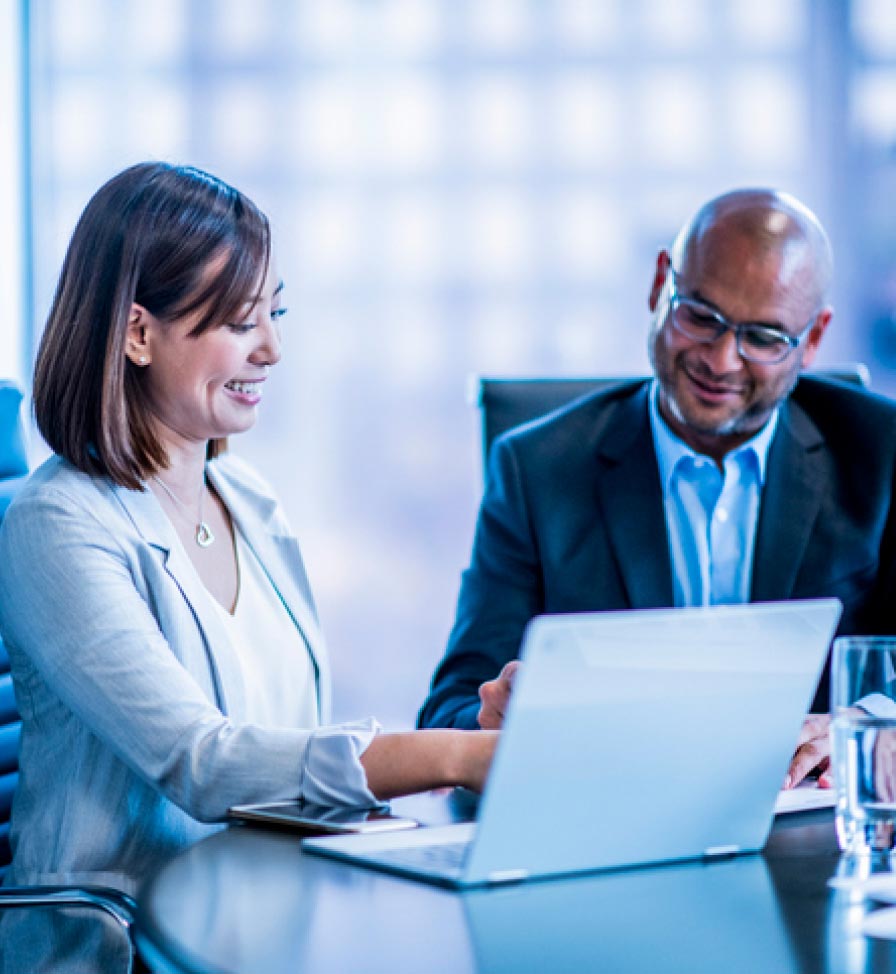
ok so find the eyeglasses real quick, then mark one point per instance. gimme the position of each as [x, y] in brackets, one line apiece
[756, 343]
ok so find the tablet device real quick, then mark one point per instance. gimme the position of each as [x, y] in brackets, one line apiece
[320, 819]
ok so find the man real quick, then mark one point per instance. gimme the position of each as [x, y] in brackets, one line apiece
[725, 479]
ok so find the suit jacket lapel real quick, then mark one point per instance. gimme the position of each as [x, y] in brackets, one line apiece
[630, 495]
[797, 478]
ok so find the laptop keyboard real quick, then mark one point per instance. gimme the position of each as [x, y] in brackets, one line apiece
[448, 857]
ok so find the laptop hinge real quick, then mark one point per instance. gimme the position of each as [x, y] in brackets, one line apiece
[720, 851]
[508, 875]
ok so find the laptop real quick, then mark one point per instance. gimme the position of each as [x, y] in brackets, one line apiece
[632, 738]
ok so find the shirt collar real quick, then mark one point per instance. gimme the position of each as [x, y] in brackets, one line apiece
[670, 449]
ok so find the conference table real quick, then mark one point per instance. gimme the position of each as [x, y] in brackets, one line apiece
[249, 900]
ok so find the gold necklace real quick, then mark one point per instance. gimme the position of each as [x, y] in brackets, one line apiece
[204, 535]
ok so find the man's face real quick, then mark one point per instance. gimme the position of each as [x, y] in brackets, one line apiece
[710, 395]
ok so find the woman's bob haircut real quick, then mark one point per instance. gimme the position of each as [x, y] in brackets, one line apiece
[148, 236]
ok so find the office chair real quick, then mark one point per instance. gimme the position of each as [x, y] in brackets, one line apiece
[13, 462]
[13, 470]
[505, 403]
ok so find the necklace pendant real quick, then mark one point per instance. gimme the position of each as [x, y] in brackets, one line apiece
[204, 536]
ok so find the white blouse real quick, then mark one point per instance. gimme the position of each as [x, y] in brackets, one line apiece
[280, 685]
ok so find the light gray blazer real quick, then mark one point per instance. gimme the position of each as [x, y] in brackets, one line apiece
[134, 718]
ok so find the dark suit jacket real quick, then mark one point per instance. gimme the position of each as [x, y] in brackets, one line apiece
[572, 520]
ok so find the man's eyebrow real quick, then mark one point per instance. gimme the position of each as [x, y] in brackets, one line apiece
[773, 325]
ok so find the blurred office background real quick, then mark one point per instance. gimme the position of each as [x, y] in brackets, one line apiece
[456, 187]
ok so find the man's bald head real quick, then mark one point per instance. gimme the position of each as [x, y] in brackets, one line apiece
[757, 263]
[769, 225]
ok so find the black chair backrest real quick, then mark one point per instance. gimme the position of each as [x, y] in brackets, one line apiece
[505, 403]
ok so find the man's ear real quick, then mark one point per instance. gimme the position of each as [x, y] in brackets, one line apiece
[137, 336]
[816, 333]
[663, 264]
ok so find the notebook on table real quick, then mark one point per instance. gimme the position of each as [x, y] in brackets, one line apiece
[631, 738]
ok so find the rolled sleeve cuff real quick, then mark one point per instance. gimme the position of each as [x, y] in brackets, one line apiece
[333, 774]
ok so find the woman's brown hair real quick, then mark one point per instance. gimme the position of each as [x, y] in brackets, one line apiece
[148, 236]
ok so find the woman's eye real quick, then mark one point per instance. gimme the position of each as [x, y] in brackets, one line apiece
[277, 313]
[241, 328]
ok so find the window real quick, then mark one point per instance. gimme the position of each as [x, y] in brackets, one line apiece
[455, 187]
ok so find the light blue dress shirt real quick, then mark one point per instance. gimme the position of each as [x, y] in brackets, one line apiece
[711, 514]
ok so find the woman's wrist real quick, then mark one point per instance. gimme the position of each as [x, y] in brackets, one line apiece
[472, 756]
[398, 764]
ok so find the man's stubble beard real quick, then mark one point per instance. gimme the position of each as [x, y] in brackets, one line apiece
[747, 422]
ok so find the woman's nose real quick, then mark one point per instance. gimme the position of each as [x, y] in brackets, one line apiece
[268, 349]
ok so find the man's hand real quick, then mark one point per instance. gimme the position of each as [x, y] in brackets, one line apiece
[813, 752]
[495, 695]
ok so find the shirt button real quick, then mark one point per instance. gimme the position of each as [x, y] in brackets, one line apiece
[721, 514]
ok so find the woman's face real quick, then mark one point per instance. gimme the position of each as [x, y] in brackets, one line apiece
[208, 386]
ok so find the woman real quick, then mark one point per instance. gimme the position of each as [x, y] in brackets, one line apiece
[162, 636]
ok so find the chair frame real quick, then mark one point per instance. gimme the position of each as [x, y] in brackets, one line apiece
[116, 904]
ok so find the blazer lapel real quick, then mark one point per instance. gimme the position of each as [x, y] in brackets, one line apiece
[266, 533]
[630, 495]
[150, 521]
[796, 481]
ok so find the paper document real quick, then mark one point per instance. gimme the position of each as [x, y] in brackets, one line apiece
[804, 798]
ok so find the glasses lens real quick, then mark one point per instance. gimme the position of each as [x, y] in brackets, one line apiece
[697, 321]
[702, 324]
[763, 344]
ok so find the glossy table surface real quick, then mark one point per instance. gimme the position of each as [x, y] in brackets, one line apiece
[249, 900]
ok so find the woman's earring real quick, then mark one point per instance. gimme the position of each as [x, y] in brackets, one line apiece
[143, 360]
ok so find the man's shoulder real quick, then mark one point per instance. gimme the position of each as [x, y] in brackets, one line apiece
[587, 414]
[856, 425]
[562, 446]
[826, 399]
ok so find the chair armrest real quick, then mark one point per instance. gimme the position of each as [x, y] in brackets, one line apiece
[118, 905]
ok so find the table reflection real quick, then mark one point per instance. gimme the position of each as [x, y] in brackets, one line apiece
[689, 918]
[263, 905]
[248, 900]
[268, 907]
